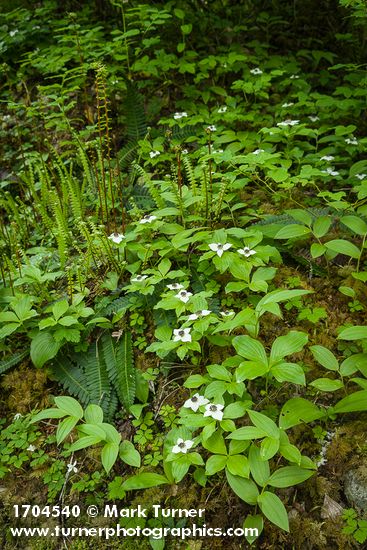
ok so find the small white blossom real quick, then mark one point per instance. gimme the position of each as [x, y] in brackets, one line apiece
[17, 417]
[139, 278]
[328, 158]
[148, 219]
[330, 172]
[351, 141]
[212, 128]
[222, 109]
[215, 411]
[177, 116]
[182, 335]
[114, 81]
[257, 70]
[184, 151]
[116, 237]
[195, 402]
[184, 296]
[324, 447]
[217, 151]
[361, 176]
[175, 286]
[246, 251]
[288, 122]
[227, 313]
[182, 446]
[13, 33]
[294, 76]
[31, 448]
[198, 314]
[153, 154]
[285, 105]
[219, 248]
[314, 118]
[258, 151]
[72, 467]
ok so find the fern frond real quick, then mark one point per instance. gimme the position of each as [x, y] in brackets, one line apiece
[154, 192]
[98, 384]
[219, 201]
[62, 234]
[13, 360]
[173, 182]
[189, 171]
[118, 305]
[204, 191]
[135, 114]
[119, 362]
[72, 378]
[127, 154]
[180, 134]
[110, 411]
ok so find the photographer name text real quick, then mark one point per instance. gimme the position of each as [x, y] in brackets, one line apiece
[112, 511]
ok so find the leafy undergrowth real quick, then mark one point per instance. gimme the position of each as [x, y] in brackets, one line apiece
[183, 265]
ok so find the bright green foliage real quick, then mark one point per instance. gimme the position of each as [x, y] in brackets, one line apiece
[184, 189]
[104, 374]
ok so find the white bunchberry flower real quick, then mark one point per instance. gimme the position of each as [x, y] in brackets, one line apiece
[72, 467]
[13, 33]
[361, 176]
[328, 158]
[330, 172]
[184, 296]
[184, 151]
[182, 446]
[198, 314]
[116, 237]
[177, 116]
[294, 76]
[153, 154]
[351, 141]
[175, 286]
[148, 219]
[195, 402]
[285, 105]
[31, 448]
[257, 70]
[212, 128]
[219, 248]
[182, 335]
[217, 151]
[246, 251]
[258, 151]
[215, 411]
[288, 122]
[314, 118]
[226, 313]
[222, 109]
[17, 416]
[139, 278]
